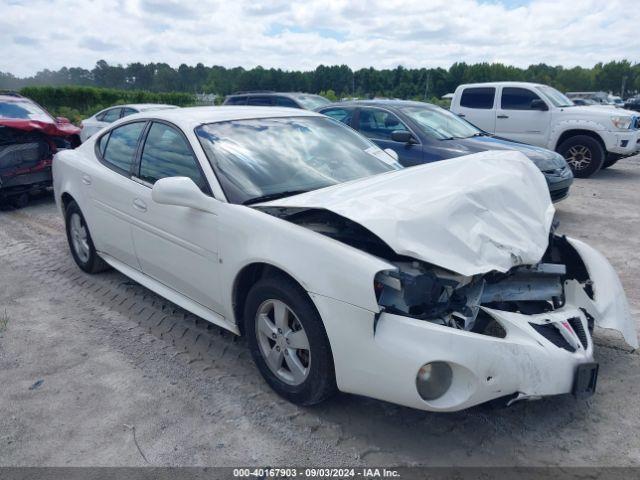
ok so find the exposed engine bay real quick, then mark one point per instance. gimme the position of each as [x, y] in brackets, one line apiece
[423, 291]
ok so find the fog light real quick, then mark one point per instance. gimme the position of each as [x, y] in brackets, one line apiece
[433, 380]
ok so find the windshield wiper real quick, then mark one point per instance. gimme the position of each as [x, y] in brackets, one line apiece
[273, 196]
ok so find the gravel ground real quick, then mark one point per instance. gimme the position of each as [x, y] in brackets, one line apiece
[98, 371]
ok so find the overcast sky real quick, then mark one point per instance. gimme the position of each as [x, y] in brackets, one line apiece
[38, 34]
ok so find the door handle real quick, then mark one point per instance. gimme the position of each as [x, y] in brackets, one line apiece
[503, 116]
[461, 115]
[139, 205]
[86, 179]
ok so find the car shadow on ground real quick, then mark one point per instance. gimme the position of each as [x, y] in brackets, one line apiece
[36, 199]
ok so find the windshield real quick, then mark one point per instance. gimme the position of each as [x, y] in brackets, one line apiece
[440, 123]
[311, 102]
[23, 110]
[554, 96]
[268, 158]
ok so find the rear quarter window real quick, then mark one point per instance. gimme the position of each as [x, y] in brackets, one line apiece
[341, 114]
[478, 97]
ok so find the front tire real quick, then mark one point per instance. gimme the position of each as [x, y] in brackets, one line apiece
[288, 341]
[80, 242]
[584, 154]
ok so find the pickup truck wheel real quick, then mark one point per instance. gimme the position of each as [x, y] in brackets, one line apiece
[288, 341]
[82, 249]
[584, 154]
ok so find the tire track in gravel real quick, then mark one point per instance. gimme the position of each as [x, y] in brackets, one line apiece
[211, 354]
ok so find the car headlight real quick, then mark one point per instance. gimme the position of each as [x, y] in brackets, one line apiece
[622, 123]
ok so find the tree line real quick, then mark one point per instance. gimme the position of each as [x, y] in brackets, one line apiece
[336, 80]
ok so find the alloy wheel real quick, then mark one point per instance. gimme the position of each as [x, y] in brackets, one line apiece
[579, 157]
[79, 238]
[283, 342]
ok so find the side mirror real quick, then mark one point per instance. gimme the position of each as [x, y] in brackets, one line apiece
[181, 192]
[62, 120]
[392, 153]
[403, 136]
[538, 104]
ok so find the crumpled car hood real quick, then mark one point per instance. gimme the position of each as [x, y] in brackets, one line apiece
[471, 215]
[49, 128]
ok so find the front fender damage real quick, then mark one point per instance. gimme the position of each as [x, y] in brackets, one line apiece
[608, 307]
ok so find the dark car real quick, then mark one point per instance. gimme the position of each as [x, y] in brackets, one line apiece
[420, 133]
[29, 137]
[633, 103]
[267, 98]
[584, 101]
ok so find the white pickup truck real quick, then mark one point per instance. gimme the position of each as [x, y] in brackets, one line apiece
[589, 137]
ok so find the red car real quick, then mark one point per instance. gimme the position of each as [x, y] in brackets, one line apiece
[29, 137]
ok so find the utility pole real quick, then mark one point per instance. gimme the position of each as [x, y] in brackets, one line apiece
[353, 83]
[426, 87]
[624, 81]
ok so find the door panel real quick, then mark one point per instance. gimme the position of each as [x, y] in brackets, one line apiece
[111, 191]
[516, 120]
[177, 246]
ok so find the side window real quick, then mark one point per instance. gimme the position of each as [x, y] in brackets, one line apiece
[167, 154]
[128, 111]
[260, 101]
[111, 115]
[480, 97]
[121, 146]
[102, 143]
[236, 101]
[517, 98]
[286, 102]
[378, 124]
[343, 115]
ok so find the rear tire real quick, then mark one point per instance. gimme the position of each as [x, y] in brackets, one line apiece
[279, 315]
[21, 200]
[584, 154]
[80, 243]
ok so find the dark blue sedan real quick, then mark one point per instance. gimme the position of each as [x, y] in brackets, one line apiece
[421, 132]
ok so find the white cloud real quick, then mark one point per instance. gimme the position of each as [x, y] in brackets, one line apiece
[40, 34]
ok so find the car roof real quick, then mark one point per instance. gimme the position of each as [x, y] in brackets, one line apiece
[379, 103]
[190, 117]
[142, 106]
[14, 98]
[269, 93]
[502, 84]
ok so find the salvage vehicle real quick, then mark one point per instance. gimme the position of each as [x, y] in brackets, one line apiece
[438, 287]
[589, 137]
[29, 137]
[103, 118]
[420, 132]
[268, 98]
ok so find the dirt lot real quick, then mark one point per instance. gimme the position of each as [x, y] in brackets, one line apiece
[97, 370]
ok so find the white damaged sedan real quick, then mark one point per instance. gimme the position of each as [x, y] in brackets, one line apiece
[438, 287]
